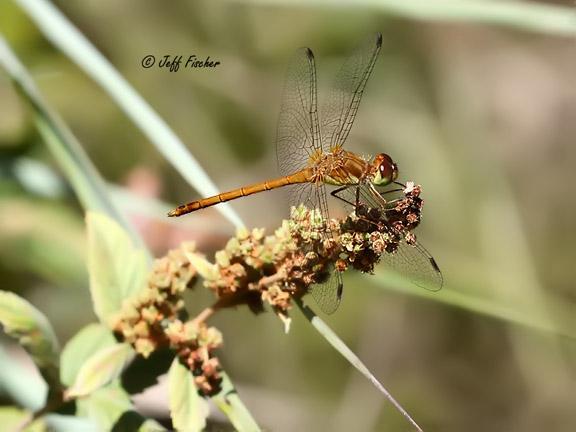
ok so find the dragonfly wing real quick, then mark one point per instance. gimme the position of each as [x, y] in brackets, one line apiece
[417, 264]
[297, 141]
[302, 193]
[298, 134]
[329, 293]
[339, 112]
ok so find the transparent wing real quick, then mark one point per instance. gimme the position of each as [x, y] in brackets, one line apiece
[298, 134]
[329, 294]
[340, 110]
[417, 264]
[302, 194]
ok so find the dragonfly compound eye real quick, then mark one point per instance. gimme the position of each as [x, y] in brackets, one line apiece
[386, 171]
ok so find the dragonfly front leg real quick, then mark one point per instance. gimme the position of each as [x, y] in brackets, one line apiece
[392, 203]
[335, 193]
[356, 202]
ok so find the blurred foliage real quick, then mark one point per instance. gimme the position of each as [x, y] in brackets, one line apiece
[481, 116]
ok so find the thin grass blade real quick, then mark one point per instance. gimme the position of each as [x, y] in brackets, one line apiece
[333, 339]
[532, 16]
[74, 44]
[232, 406]
[83, 176]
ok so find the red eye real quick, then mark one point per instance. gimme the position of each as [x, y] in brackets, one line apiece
[386, 169]
[387, 158]
[394, 172]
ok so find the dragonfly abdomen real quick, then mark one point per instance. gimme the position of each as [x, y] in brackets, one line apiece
[302, 176]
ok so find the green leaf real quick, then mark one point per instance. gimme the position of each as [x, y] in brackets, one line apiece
[24, 322]
[333, 339]
[111, 409]
[11, 418]
[19, 384]
[229, 402]
[80, 348]
[100, 369]
[67, 423]
[117, 269]
[187, 409]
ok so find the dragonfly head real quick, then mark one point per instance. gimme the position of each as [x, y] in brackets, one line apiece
[385, 170]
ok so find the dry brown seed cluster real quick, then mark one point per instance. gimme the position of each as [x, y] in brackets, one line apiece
[254, 269]
[238, 267]
[406, 214]
[150, 320]
[142, 318]
[368, 233]
[195, 344]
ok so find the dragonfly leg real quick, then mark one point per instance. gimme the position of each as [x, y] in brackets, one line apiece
[391, 203]
[390, 191]
[354, 204]
[335, 193]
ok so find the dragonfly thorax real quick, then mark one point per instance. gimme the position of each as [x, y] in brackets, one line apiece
[340, 167]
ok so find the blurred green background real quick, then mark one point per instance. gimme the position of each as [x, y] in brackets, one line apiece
[481, 116]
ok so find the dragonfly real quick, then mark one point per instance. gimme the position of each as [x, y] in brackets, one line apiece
[311, 157]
